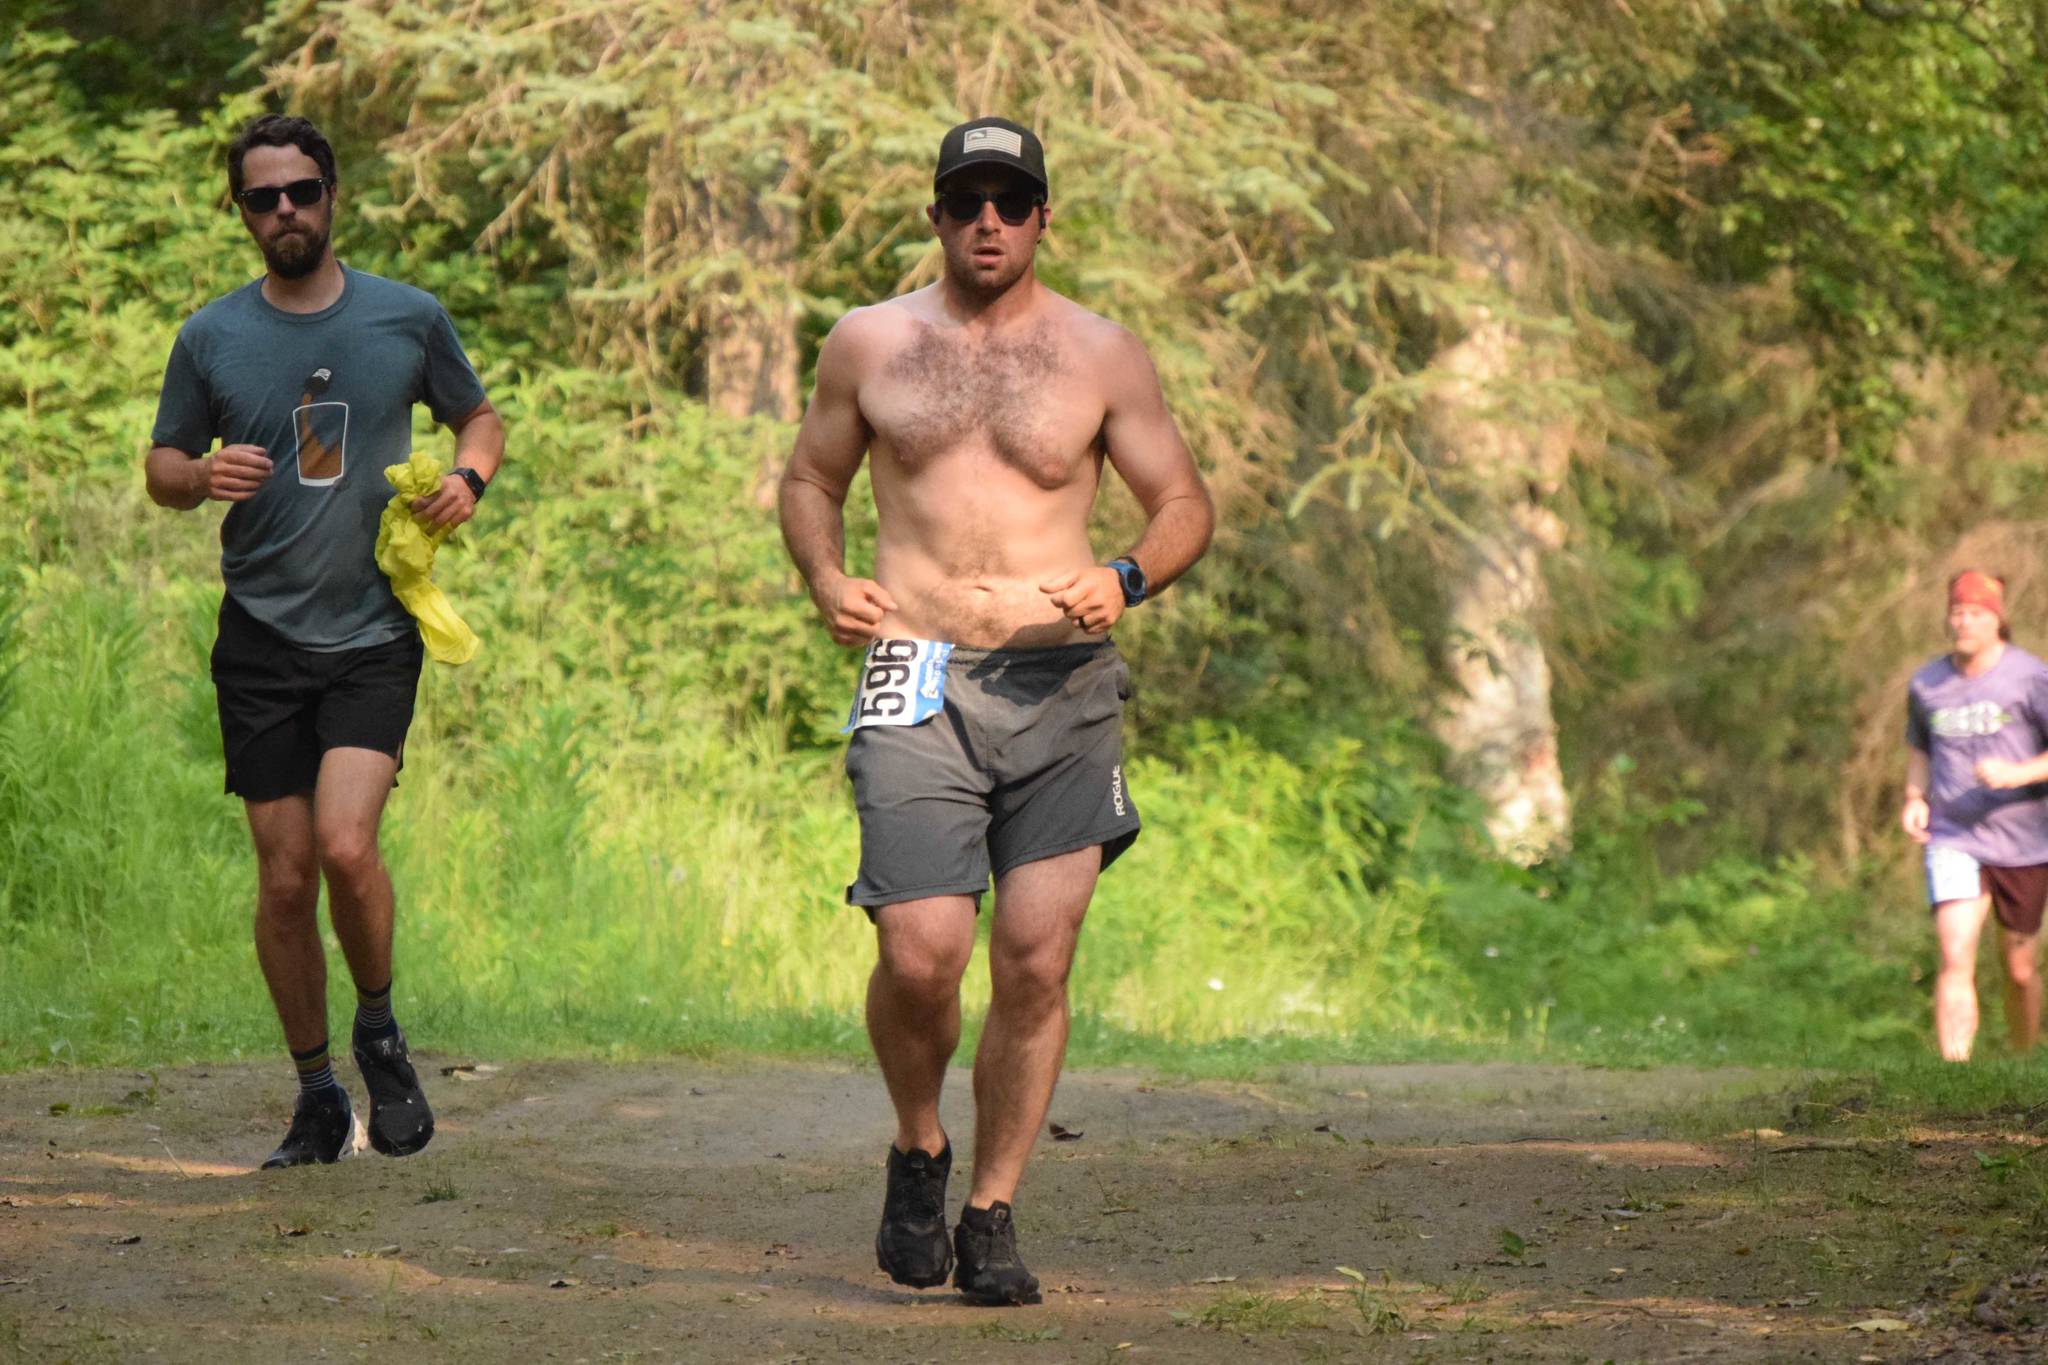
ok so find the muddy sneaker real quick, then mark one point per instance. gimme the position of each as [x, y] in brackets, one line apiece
[323, 1131]
[400, 1122]
[912, 1244]
[989, 1271]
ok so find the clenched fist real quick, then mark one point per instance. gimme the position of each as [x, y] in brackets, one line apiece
[452, 505]
[853, 608]
[1092, 598]
[234, 473]
[2001, 774]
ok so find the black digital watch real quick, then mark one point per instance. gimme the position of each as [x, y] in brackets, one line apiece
[474, 480]
[1133, 579]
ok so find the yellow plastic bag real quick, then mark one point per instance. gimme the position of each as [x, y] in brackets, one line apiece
[405, 552]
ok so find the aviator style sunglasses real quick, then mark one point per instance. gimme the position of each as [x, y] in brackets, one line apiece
[263, 199]
[1012, 206]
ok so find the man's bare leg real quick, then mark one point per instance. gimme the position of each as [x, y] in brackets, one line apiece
[348, 806]
[295, 968]
[1039, 909]
[287, 919]
[1957, 925]
[2022, 987]
[914, 1024]
[914, 1008]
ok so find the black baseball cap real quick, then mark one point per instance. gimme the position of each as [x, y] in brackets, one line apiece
[991, 142]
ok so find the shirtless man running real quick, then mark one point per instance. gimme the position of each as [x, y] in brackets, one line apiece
[987, 724]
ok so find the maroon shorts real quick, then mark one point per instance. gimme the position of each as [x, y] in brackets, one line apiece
[2017, 895]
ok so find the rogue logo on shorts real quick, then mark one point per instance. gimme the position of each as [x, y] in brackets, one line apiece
[1116, 787]
[903, 682]
[1967, 722]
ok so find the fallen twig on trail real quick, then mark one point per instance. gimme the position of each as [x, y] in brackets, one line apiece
[1646, 1312]
[174, 1158]
[1858, 1145]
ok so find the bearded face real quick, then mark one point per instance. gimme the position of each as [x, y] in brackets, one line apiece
[293, 238]
[295, 252]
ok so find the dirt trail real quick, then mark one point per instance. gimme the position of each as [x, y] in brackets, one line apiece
[702, 1211]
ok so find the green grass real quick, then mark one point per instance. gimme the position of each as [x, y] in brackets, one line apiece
[1003, 1331]
[598, 880]
[1264, 1314]
[1905, 1090]
[624, 832]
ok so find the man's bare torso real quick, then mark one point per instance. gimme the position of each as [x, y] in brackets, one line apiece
[986, 450]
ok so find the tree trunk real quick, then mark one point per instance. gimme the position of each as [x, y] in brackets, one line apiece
[1506, 460]
[751, 364]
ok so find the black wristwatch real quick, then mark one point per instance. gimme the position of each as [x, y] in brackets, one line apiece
[474, 480]
[1133, 579]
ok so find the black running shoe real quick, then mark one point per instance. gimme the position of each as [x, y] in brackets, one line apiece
[912, 1244]
[323, 1130]
[989, 1271]
[400, 1122]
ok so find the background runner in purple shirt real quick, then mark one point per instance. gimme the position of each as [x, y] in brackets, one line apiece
[1976, 779]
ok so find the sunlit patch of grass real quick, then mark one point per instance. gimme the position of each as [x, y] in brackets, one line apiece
[997, 1330]
[1377, 1313]
[1477, 1324]
[1467, 1288]
[1256, 1314]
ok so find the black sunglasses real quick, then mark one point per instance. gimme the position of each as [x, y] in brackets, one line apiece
[263, 199]
[1012, 206]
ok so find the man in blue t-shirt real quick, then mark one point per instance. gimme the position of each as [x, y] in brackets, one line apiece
[1976, 765]
[307, 377]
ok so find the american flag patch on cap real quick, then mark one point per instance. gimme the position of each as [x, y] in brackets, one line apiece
[994, 140]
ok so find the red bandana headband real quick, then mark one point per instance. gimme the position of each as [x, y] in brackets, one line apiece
[1974, 588]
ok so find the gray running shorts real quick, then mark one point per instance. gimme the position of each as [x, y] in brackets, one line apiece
[1024, 762]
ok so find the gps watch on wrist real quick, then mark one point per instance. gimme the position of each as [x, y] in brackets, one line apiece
[1133, 579]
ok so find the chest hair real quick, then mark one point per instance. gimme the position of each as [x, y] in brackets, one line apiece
[1000, 394]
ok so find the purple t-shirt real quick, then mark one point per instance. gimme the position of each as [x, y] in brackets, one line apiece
[1956, 721]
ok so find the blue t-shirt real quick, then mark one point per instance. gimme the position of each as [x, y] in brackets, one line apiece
[1957, 720]
[329, 397]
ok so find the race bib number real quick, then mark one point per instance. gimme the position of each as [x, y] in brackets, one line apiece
[903, 682]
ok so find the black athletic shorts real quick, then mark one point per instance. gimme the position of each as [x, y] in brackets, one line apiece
[1024, 762]
[282, 707]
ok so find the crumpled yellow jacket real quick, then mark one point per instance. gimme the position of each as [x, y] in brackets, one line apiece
[405, 552]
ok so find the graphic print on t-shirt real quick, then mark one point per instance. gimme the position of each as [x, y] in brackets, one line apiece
[323, 433]
[1968, 722]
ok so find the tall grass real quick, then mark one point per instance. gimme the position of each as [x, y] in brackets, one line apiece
[591, 864]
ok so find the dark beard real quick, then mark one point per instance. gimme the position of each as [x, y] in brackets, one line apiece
[295, 256]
